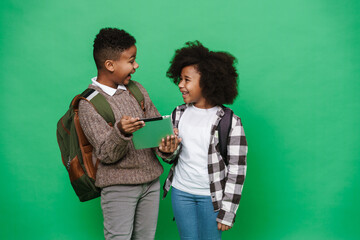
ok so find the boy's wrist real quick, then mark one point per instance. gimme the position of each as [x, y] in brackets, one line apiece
[122, 134]
[122, 131]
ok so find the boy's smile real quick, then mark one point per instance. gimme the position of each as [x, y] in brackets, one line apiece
[119, 71]
[125, 66]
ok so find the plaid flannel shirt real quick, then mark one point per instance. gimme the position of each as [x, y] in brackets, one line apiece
[226, 181]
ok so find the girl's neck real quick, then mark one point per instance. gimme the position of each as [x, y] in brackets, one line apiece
[203, 104]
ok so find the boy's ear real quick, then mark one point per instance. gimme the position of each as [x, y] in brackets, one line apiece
[109, 65]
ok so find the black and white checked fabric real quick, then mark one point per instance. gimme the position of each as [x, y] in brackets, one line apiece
[226, 181]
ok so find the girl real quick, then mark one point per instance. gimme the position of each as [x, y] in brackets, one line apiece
[206, 188]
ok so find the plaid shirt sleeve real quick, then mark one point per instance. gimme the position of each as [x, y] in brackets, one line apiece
[236, 170]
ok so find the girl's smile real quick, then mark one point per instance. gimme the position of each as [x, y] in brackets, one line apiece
[184, 94]
[189, 86]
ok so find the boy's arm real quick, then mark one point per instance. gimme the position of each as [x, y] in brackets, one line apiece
[236, 170]
[109, 143]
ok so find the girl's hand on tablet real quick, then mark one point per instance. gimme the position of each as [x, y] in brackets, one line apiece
[170, 143]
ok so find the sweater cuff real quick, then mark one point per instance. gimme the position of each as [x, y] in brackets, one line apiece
[226, 218]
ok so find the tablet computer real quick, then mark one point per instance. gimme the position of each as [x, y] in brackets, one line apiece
[154, 130]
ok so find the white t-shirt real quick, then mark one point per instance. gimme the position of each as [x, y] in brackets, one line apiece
[191, 172]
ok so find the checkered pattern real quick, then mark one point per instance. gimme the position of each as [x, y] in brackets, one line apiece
[226, 181]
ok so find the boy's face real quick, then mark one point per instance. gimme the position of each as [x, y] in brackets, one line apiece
[124, 66]
[189, 86]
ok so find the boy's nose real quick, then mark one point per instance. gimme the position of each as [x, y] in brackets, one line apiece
[181, 84]
[136, 65]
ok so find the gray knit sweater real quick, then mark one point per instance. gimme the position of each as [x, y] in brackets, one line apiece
[120, 162]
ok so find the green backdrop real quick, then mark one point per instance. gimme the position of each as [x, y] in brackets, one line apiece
[299, 67]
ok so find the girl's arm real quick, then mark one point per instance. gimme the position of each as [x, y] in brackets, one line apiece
[236, 170]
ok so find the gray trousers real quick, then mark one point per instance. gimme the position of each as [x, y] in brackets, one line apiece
[130, 211]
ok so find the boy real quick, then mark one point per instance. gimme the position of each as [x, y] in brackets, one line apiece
[128, 178]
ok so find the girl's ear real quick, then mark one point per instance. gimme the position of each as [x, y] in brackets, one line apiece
[109, 65]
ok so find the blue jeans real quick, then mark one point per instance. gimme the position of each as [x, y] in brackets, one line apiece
[194, 215]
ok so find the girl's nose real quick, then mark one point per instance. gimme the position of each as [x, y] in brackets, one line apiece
[136, 65]
[181, 84]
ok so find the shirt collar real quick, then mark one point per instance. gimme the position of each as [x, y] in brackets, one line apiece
[108, 90]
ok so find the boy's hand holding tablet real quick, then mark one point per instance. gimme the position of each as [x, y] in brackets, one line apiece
[128, 125]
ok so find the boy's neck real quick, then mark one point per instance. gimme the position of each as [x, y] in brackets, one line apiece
[104, 79]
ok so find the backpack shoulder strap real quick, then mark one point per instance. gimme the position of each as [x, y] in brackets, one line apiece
[173, 116]
[137, 94]
[224, 130]
[99, 102]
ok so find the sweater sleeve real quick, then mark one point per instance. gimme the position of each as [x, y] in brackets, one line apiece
[109, 143]
[236, 170]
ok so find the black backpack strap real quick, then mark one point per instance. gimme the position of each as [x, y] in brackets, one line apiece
[224, 131]
[173, 116]
[100, 104]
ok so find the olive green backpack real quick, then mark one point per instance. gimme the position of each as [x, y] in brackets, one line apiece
[76, 151]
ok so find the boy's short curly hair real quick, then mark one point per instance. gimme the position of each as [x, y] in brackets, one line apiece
[109, 43]
[218, 80]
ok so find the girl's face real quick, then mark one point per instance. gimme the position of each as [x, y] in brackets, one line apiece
[189, 86]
